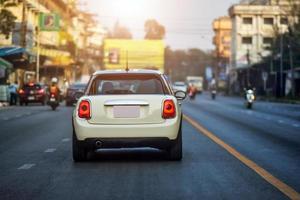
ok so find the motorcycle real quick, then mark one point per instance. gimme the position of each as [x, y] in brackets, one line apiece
[250, 97]
[192, 95]
[213, 94]
[53, 101]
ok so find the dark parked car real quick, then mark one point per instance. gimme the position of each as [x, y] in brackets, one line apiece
[71, 91]
[33, 93]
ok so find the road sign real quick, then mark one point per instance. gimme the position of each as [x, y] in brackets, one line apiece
[264, 76]
[49, 22]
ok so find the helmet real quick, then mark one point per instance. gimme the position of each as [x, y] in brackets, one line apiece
[54, 80]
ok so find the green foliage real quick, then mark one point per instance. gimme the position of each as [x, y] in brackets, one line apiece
[181, 63]
[7, 18]
[154, 30]
[119, 32]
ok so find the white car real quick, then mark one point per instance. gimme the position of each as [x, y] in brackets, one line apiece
[121, 109]
[179, 86]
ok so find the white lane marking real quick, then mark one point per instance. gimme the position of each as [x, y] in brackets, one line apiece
[19, 115]
[65, 140]
[26, 166]
[280, 121]
[28, 113]
[50, 150]
[5, 118]
[296, 125]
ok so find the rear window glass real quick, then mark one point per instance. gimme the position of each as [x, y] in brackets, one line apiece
[32, 87]
[114, 84]
[78, 86]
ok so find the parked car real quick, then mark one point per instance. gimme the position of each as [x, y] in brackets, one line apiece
[128, 109]
[33, 93]
[71, 91]
[180, 86]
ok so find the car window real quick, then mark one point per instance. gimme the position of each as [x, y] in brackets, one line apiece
[127, 84]
[78, 86]
[32, 87]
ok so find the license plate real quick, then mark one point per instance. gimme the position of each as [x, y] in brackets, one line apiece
[126, 111]
[30, 98]
[52, 99]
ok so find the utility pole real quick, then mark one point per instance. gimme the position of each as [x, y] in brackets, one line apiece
[281, 65]
[292, 67]
[24, 24]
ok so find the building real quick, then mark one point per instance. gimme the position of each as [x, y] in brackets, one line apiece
[59, 50]
[222, 41]
[255, 25]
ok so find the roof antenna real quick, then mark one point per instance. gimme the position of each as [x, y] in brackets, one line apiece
[127, 68]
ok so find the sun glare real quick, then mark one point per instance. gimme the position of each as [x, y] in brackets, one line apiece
[130, 8]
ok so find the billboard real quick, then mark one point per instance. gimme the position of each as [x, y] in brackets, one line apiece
[140, 54]
[49, 22]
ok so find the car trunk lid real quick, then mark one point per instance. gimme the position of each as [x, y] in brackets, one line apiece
[126, 109]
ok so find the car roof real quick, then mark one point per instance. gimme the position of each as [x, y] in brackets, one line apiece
[132, 71]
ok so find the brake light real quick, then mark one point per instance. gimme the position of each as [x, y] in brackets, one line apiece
[41, 91]
[21, 91]
[169, 109]
[84, 110]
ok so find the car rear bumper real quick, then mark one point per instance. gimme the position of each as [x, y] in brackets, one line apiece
[103, 143]
[169, 129]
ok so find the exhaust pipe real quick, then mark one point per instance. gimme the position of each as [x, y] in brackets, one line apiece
[98, 143]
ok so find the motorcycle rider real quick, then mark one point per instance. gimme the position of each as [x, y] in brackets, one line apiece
[192, 91]
[54, 89]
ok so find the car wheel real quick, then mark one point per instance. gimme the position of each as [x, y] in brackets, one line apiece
[175, 152]
[21, 103]
[79, 153]
[26, 103]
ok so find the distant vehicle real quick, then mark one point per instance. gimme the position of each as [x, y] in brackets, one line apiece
[33, 93]
[71, 91]
[197, 81]
[179, 86]
[53, 101]
[128, 109]
[249, 97]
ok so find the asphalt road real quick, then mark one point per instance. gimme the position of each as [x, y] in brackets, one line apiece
[36, 162]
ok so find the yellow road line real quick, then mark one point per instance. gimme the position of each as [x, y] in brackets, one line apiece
[284, 188]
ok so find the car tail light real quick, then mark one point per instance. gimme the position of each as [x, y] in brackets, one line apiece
[41, 91]
[21, 91]
[169, 109]
[84, 110]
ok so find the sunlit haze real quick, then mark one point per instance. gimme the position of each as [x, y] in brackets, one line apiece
[187, 22]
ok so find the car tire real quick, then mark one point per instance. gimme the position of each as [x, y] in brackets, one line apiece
[26, 103]
[21, 103]
[175, 152]
[79, 153]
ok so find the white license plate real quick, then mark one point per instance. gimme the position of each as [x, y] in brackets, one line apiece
[52, 99]
[126, 111]
[30, 98]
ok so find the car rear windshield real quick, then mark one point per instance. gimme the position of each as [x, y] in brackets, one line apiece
[32, 87]
[114, 84]
[78, 86]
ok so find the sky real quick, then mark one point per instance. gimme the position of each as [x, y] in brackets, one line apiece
[188, 23]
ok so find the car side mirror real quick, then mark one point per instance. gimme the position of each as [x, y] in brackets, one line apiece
[180, 95]
[78, 94]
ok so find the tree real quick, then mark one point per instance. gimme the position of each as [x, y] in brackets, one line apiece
[7, 18]
[119, 32]
[154, 30]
